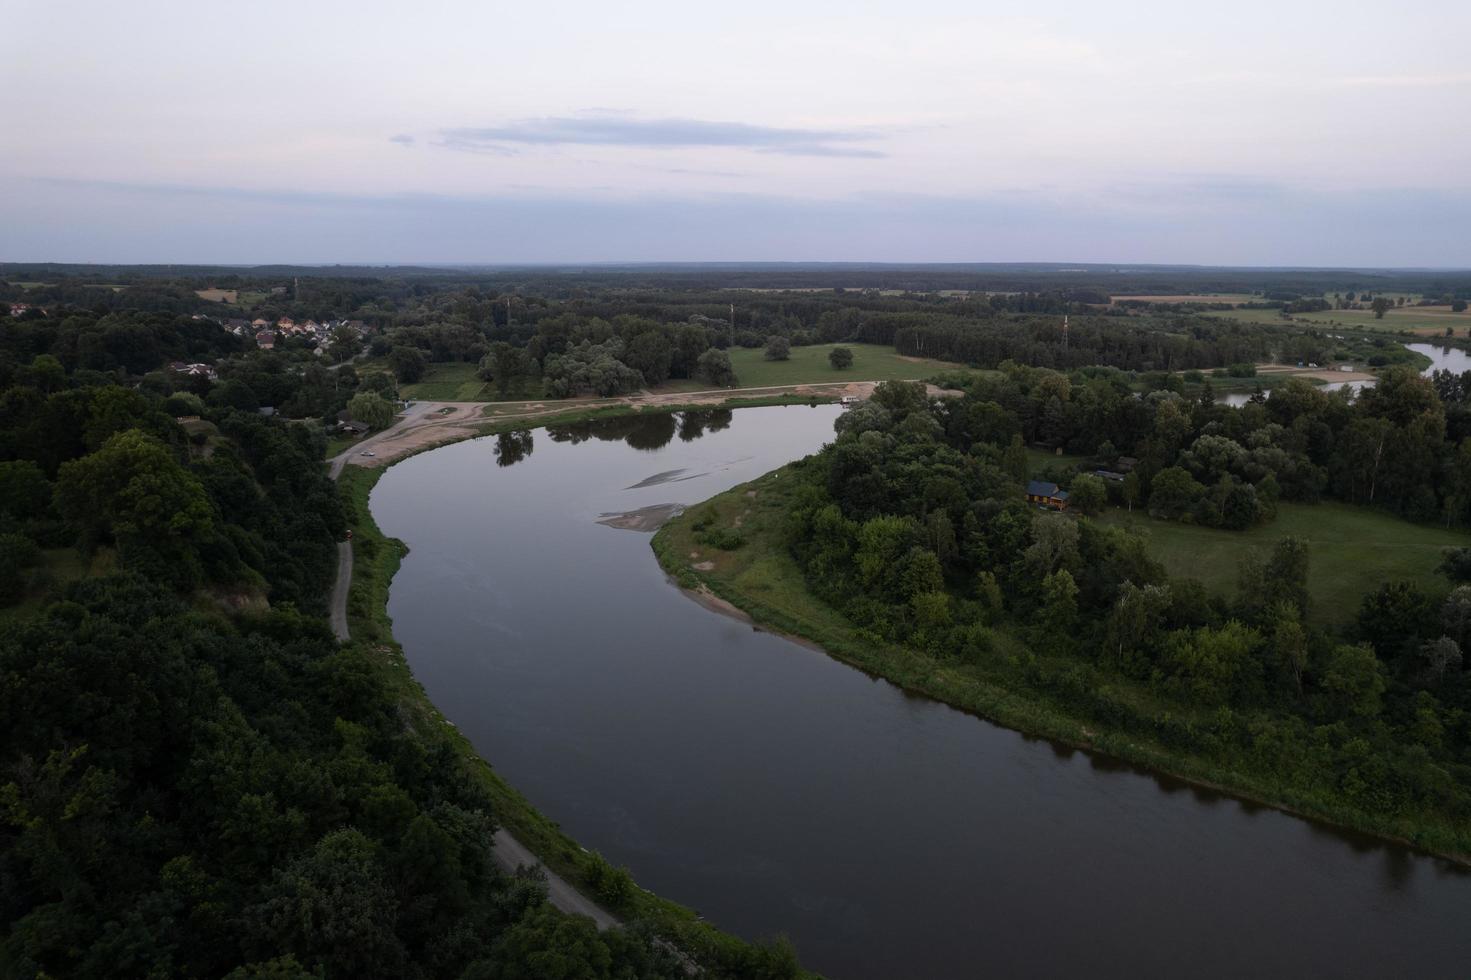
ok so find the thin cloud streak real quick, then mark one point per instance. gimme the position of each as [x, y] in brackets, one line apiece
[110, 221]
[603, 130]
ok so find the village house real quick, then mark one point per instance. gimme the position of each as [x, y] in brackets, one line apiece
[265, 340]
[17, 309]
[195, 370]
[345, 423]
[1047, 495]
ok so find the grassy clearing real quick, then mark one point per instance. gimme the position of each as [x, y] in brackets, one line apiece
[1351, 551]
[455, 381]
[1041, 460]
[247, 298]
[1012, 685]
[337, 445]
[1425, 321]
[1191, 298]
[448, 382]
[809, 365]
[218, 295]
[59, 568]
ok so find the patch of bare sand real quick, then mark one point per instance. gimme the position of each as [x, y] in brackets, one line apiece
[714, 603]
[643, 519]
[399, 445]
[1321, 374]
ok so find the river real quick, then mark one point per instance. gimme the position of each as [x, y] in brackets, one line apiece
[1442, 358]
[778, 791]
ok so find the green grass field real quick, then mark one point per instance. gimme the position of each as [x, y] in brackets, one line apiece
[1040, 460]
[456, 381]
[1425, 321]
[1351, 551]
[809, 365]
[448, 382]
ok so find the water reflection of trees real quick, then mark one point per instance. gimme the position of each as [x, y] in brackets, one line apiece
[692, 425]
[644, 431]
[512, 447]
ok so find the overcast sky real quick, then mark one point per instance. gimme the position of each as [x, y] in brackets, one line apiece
[1283, 132]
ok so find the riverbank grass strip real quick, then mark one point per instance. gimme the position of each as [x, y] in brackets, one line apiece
[376, 560]
[759, 577]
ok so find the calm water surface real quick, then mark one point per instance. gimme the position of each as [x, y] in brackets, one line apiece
[1441, 359]
[776, 790]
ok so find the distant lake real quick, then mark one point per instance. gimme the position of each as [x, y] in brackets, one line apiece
[776, 790]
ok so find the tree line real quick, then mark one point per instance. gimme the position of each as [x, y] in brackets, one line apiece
[196, 778]
[913, 525]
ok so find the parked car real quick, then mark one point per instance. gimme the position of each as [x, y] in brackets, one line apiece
[367, 452]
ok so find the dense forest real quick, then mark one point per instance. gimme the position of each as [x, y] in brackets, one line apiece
[196, 778]
[557, 335]
[913, 524]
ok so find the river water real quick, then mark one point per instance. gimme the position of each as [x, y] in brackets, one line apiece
[1452, 359]
[778, 791]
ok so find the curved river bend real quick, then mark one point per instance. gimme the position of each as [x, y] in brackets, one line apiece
[778, 791]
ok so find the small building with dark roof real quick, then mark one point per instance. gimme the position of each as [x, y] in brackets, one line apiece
[1047, 495]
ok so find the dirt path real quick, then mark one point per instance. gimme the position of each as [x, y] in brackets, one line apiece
[431, 423]
[340, 589]
[1319, 373]
[509, 853]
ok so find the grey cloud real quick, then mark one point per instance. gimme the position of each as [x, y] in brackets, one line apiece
[606, 130]
[402, 139]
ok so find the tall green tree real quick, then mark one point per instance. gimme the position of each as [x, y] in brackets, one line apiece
[133, 493]
[370, 409]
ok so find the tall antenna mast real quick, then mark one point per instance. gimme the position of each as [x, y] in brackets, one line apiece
[732, 324]
[1064, 331]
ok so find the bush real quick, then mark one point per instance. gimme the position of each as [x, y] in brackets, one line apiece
[17, 553]
[778, 349]
[841, 358]
[723, 538]
[714, 368]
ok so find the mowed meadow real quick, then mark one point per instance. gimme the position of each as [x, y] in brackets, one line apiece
[1426, 321]
[810, 365]
[458, 380]
[1351, 550]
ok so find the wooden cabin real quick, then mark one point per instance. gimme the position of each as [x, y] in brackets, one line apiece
[1047, 495]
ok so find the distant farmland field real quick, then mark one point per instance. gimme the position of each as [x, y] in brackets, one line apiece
[1424, 320]
[1192, 298]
